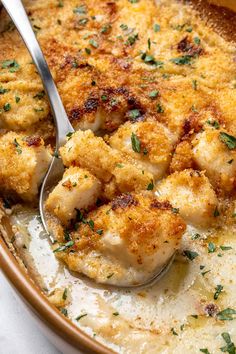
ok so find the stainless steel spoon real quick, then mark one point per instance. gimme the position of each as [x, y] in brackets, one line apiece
[18, 15]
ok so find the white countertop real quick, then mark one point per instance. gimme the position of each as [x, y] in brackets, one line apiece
[18, 333]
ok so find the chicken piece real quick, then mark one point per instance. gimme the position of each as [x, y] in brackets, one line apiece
[23, 164]
[124, 242]
[191, 193]
[109, 165]
[215, 152]
[78, 189]
[146, 142]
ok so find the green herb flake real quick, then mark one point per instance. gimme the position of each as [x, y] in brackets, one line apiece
[204, 273]
[115, 314]
[99, 232]
[189, 29]
[93, 43]
[183, 60]
[3, 90]
[229, 347]
[64, 311]
[81, 316]
[133, 1]
[175, 210]
[87, 51]
[7, 107]
[136, 144]
[211, 247]
[160, 109]
[17, 99]
[133, 114]
[228, 140]
[194, 84]
[80, 10]
[153, 94]
[216, 212]
[149, 43]
[197, 40]
[195, 236]
[174, 332]
[204, 350]
[18, 147]
[64, 247]
[123, 27]
[218, 289]
[131, 39]
[91, 224]
[226, 315]
[106, 28]
[65, 294]
[195, 316]
[119, 165]
[83, 21]
[156, 27]
[226, 248]
[60, 3]
[39, 95]
[67, 235]
[150, 60]
[12, 65]
[69, 135]
[110, 275]
[150, 186]
[213, 123]
[191, 255]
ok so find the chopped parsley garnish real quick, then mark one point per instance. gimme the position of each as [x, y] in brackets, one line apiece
[195, 236]
[133, 1]
[194, 84]
[226, 315]
[160, 109]
[189, 29]
[11, 64]
[211, 247]
[226, 248]
[81, 316]
[65, 294]
[115, 314]
[136, 145]
[99, 232]
[110, 275]
[80, 10]
[150, 186]
[67, 235]
[3, 90]
[216, 212]
[156, 27]
[124, 27]
[213, 123]
[149, 43]
[195, 316]
[174, 332]
[60, 3]
[104, 98]
[183, 60]
[131, 39]
[150, 60]
[204, 350]
[87, 51]
[83, 21]
[106, 28]
[228, 140]
[7, 107]
[119, 165]
[175, 210]
[69, 135]
[38, 109]
[64, 312]
[191, 255]
[93, 43]
[91, 224]
[64, 247]
[153, 94]
[17, 99]
[18, 147]
[134, 114]
[218, 289]
[197, 40]
[39, 95]
[229, 347]
[204, 273]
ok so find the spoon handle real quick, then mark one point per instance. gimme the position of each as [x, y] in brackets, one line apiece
[18, 15]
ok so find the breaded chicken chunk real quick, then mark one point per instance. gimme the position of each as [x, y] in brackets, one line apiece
[23, 164]
[191, 193]
[146, 142]
[124, 242]
[215, 152]
[78, 189]
[109, 165]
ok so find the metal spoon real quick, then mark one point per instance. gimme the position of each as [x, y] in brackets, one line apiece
[18, 15]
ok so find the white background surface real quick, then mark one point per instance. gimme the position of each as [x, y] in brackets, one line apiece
[18, 333]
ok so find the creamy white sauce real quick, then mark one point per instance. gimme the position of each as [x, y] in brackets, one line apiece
[143, 320]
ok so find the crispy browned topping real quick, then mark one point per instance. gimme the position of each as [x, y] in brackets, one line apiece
[123, 201]
[33, 141]
[163, 205]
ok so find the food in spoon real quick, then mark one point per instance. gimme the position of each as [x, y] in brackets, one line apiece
[125, 242]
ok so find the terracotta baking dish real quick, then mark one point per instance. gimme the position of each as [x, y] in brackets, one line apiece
[60, 331]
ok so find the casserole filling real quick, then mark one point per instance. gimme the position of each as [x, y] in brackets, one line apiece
[150, 89]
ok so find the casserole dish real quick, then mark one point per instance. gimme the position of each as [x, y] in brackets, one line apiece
[14, 259]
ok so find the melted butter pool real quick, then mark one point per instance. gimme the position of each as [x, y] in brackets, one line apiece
[153, 320]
